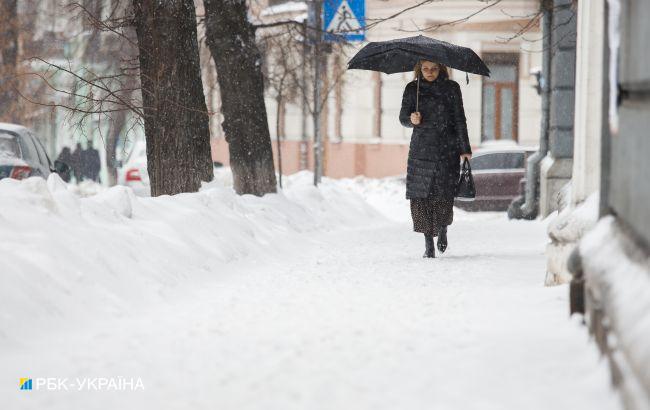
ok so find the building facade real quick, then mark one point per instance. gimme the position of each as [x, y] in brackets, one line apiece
[362, 134]
[600, 238]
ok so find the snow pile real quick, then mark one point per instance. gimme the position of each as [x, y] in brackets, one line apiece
[66, 258]
[565, 230]
[618, 275]
[87, 188]
[387, 195]
[572, 223]
[306, 299]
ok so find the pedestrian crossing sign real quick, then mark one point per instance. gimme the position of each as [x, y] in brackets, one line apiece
[344, 20]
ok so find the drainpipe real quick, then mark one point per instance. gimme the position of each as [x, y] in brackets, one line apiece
[530, 207]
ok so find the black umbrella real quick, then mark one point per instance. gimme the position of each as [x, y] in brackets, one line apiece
[400, 55]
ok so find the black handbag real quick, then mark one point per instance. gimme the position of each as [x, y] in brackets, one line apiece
[466, 190]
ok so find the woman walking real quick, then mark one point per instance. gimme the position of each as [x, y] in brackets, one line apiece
[433, 107]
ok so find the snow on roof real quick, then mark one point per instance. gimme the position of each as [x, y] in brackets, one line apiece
[5, 126]
[300, 17]
[503, 145]
[288, 7]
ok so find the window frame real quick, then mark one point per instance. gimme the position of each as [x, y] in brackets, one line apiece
[501, 59]
[495, 153]
[40, 152]
[16, 138]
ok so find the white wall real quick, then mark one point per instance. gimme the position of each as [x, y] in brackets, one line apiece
[588, 111]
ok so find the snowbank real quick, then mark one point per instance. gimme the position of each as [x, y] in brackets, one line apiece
[216, 300]
[572, 223]
[66, 258]
[387, 195]
[616, 271]
[565, 230]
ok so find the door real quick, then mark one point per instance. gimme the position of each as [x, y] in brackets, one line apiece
[41, 164]
[500, 98]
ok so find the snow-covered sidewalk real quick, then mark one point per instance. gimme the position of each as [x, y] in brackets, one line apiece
[345, 318]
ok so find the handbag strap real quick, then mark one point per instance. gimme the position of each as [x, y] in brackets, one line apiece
[466, 167]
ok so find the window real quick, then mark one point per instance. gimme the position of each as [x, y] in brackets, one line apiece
[498, 160]
[27, 148]
[41, 151]
[40, 155]
[8, 146]
[500, 97]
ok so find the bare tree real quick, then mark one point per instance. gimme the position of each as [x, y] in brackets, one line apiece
[105, 43]
[311, 77]
[8, 60]
[160, 83]
[231, 39]
[281, 74]
[289, 73]
[150, 72]
[175, 115]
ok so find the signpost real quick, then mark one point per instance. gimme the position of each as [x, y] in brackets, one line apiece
[344, 20]
[339, 20]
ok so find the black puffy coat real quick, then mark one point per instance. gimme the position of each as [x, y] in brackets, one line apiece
[437, 142]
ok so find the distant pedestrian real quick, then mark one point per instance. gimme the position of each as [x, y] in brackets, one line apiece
[76, 163]
[91, 163]
[439, 143]
[65, 156]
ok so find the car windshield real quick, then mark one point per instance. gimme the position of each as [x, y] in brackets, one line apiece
[8, 146]
[498, 160]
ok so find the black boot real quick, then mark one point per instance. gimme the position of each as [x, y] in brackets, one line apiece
[442, 240]
[430, 251]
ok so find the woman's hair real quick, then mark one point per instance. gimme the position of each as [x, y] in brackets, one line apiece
[417, 70]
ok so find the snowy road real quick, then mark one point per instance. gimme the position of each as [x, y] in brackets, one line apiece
[351, 319]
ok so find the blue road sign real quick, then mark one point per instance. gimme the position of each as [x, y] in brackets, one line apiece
[344, 20]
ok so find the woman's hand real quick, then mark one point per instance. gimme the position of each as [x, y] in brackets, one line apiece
[463, 156]
[416, 118]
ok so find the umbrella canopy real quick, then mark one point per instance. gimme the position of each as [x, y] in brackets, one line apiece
[401, 55]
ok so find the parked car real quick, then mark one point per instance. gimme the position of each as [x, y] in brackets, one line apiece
[497, 172]
[22, 155]
[133, 173]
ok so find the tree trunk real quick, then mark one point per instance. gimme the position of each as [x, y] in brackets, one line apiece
[175, 116]
[8, 59]
[231, 39]
[278, 115]
[117, 125]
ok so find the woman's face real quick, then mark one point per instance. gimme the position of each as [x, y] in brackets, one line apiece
[430, 70]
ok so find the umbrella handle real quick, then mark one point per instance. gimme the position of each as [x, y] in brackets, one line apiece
[417, 95]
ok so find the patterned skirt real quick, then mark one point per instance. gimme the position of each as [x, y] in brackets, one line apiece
[431, 214]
